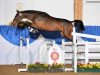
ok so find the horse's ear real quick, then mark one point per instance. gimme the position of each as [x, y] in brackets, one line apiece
[17, 11]
[20, 14]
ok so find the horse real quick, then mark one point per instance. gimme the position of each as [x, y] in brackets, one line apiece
[44, 21]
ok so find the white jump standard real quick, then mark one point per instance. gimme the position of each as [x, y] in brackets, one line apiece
[27, 55]
[87, 45]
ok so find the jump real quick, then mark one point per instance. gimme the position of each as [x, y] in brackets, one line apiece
[42, 20]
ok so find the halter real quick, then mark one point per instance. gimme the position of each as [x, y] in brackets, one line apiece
[26, 20]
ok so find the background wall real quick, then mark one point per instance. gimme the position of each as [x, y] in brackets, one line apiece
[2, 13]
[91, 12]
[56, 8]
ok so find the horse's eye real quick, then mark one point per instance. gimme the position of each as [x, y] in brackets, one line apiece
[15, 19]
[24, 16]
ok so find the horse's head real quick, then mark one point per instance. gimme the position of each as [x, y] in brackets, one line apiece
[79, 25]
[20, 17]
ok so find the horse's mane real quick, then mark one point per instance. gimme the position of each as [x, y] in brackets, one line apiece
[35, 11]
[40, 12]
[31, 11]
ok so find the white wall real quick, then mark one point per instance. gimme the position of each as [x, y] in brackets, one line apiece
[91, 12]
[56, 8]
[2, 12]
[8, 12]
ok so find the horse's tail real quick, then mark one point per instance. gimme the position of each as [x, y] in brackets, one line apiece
[79, 25]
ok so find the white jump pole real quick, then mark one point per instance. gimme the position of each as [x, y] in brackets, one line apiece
[74, 58]
[27, 55]
[28, 59]
[86, 53]
[86, 35]
[20, 50]
[86, 46]
[75, 51]
[81, 43]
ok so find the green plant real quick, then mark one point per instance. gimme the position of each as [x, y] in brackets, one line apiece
[37, 67]
[91, 66]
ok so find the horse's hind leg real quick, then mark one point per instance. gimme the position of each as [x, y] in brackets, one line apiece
[69, 37]
[61, 33]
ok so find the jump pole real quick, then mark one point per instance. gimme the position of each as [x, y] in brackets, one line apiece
[81, 43]
[86, 44]
[75, 51]
[74, 57]
[27, 55]
[20, 50]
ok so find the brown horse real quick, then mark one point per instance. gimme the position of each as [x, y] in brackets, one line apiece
[43, 21]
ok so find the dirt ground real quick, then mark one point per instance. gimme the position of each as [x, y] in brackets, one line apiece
[13, 70]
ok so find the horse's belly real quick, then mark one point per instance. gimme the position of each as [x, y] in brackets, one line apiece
[49, 27]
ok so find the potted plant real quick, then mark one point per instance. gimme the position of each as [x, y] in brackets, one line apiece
[89, 67]
[37, 67]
